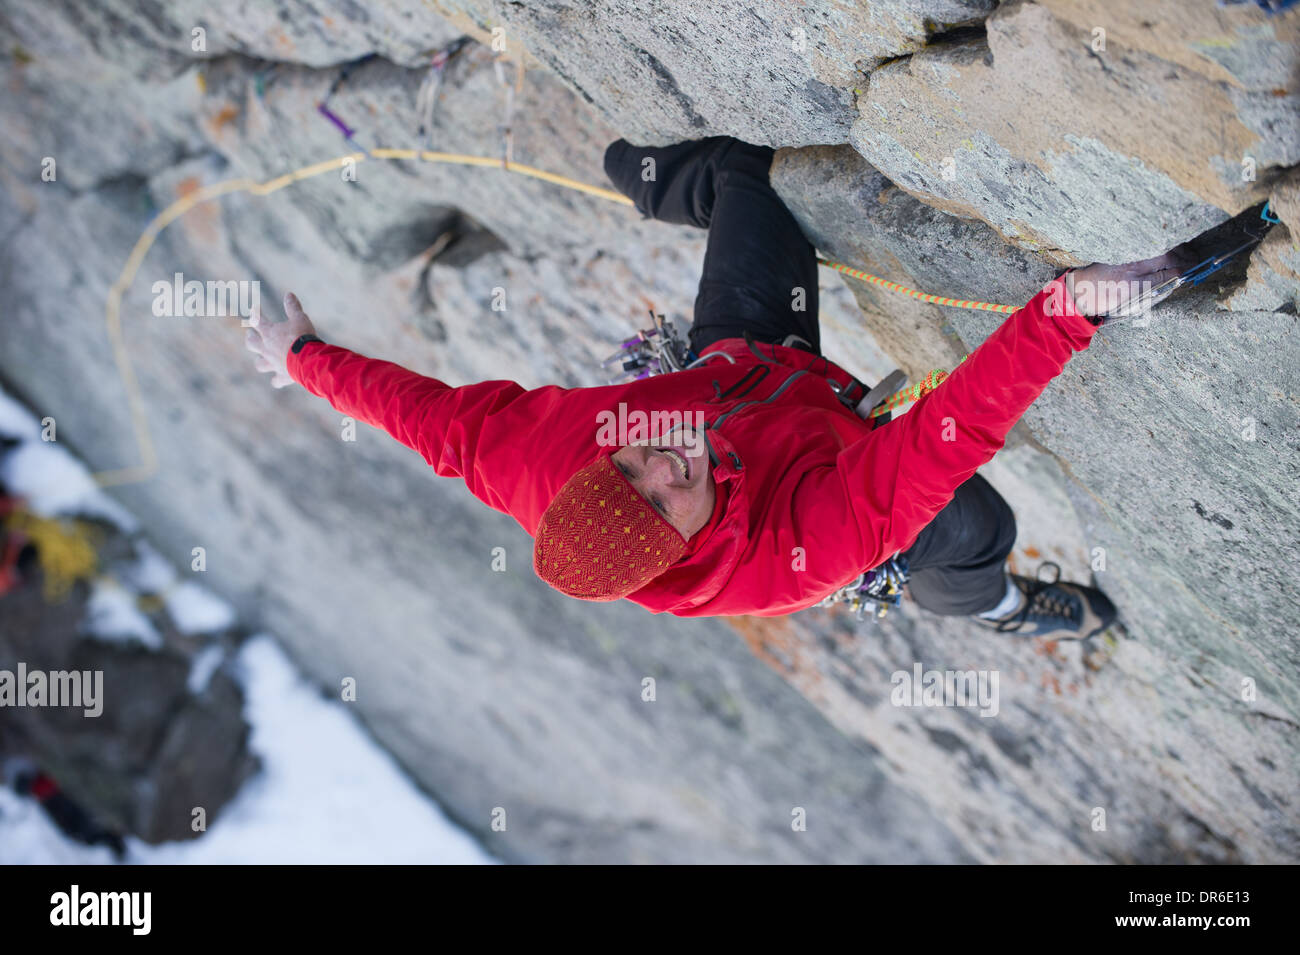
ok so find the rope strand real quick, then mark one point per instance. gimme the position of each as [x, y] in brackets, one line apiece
[112, 308]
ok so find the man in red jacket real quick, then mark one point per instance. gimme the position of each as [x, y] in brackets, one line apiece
[745, 484]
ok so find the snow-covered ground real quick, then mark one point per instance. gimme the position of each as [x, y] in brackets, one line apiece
[52, 480]
[327, 793]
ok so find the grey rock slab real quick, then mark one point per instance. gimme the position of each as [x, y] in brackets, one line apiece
[1102, 161]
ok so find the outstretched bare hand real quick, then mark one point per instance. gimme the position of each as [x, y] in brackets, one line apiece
[270, 341]
[1109, 290]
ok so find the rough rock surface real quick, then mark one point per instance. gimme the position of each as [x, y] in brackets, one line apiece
[1170, 446]
[767, 72]
[1086, 154]
[1273, 281]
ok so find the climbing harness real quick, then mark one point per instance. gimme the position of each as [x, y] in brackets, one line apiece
[874, 591]
[661, 349]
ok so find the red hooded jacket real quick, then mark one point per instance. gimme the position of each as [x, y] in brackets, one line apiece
[813, 495]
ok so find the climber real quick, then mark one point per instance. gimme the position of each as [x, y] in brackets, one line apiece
[785, 494]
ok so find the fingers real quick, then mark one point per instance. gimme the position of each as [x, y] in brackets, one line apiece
[293, 307]
[1149, 268]
[253, 337]
[262, 338]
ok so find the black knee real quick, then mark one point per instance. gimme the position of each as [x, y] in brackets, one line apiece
[612, 154]
[746, 158]
[616, 165]
[1005, 520]
[673, 184]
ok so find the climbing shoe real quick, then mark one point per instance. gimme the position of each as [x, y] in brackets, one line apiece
[1055, 608]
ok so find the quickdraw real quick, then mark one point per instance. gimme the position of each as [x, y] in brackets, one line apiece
[323, 106]
[1196, 274]
[874, 591]
[426, 100]
[654, 351]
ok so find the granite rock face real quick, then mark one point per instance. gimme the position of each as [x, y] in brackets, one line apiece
[1086, 145]
[769, 72]
[1164, 460]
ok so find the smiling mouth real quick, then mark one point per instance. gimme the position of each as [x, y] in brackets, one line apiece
[682, 464]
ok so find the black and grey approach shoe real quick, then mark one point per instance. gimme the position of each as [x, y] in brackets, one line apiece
[1055, 608]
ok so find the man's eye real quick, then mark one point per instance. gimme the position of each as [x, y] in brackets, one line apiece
[660, 504]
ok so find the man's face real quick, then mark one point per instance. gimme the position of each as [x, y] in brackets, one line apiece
[674, 478]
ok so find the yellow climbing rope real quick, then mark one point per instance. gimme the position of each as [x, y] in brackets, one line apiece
[113, 306]
[923, 296]
[911, 393]
[112, 309]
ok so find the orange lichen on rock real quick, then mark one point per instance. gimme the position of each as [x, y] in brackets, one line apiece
[772, 639]
[224, 117]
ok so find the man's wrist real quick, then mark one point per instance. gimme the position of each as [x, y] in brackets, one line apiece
[1077, 306]
[302, 340]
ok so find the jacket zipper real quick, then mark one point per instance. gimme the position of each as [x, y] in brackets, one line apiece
[761, 369]
[713, 425]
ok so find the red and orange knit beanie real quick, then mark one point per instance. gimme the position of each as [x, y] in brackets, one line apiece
[599, 539]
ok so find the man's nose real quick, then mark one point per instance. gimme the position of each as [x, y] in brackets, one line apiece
[665, 471]
[661, 468]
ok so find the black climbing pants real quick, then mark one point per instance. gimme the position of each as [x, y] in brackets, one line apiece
[760, 273]
[956, 564]
[760, 276]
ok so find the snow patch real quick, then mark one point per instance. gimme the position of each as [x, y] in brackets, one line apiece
[51, 479]
[151, 573]
[201, 669]
[196, 610]
[28, 837]
[16, 421]
[112, 615]
[326, 792]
